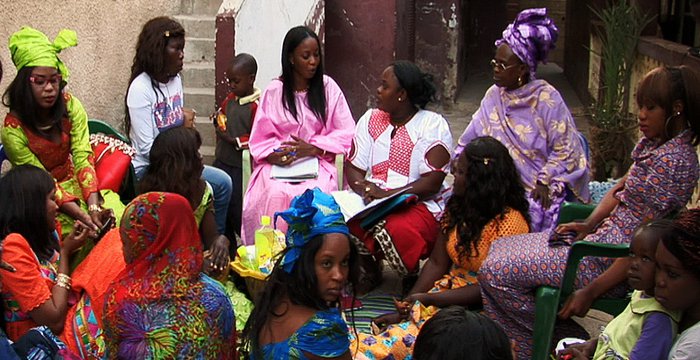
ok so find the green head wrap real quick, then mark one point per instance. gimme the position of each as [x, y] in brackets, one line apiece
[30, 47]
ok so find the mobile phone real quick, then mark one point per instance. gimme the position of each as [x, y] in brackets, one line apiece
[105, 228]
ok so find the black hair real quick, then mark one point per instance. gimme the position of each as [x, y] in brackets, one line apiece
[665, 85]
[23, 191]
[246, 62]
[684, 243]
[150, 55]
[418, 85]
[20, 99]
[455, 333]
[492, 184]
[175, 164]
[316, 96]
[301, 287]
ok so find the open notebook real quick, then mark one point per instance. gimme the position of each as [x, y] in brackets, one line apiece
[298, 171]
[353, 207]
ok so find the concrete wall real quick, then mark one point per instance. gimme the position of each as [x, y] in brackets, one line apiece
[260, 26]
[107, 33]
[437, 45]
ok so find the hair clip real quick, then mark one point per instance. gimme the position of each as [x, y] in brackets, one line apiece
[486, 161]
[167, 33]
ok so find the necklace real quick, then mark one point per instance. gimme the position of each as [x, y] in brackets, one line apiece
[301, 90]
[44, 128]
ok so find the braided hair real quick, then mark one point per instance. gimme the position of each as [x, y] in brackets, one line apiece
[685, 245]
[492, 185]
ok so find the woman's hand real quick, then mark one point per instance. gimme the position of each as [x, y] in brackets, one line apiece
[387, 319]
[423, 298]
[580, 228]
[578, 303]
[541, 194]
[76, 238]
[578, 351]
[4, 265]
[371, 191]
[219, 253]
[403, 308]
[282, 156]
[189, 115]
[302, 148]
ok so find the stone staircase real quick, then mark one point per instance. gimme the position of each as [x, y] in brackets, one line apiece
[198, 17]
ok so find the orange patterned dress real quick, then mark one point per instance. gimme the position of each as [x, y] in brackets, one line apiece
[396, 342]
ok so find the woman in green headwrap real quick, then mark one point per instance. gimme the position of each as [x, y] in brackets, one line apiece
[47, 127]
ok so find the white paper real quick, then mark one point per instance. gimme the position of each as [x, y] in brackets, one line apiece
[352, 205]
[300, 170]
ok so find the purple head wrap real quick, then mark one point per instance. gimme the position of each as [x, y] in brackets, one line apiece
[531, 36]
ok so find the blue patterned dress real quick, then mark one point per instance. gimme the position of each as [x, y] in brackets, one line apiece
[325, 334]
[660, 180]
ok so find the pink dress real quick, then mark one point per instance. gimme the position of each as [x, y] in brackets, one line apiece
[274, 125]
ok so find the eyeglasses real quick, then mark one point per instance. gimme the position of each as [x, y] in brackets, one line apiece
[41, 81]
[501, 66]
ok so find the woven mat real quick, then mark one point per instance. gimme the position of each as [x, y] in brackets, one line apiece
[373, 305]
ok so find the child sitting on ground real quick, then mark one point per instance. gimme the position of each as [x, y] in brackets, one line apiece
[645, 329]
[233, 122]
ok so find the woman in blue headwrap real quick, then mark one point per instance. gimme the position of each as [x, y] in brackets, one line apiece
[297, 315]
[530, 118]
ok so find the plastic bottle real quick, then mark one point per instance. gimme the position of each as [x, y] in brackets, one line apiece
[279, 244]
[264, 238]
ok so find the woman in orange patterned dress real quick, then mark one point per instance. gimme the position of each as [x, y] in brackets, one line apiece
[488, 202]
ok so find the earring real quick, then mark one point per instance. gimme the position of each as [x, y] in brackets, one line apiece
[520, 80]
[400, 99]
[678, 113]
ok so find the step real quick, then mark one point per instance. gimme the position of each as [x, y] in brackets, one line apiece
[199, 49]
[207, 154]
[199, 75]
[200, 7]
[198, 26]
[200, 99]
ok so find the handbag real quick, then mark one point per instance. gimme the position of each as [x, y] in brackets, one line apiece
[112, 160]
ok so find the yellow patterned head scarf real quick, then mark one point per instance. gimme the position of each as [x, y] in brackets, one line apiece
[31, 47]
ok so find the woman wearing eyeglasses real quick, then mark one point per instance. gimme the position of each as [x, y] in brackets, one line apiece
[47, 127]
[530, 118]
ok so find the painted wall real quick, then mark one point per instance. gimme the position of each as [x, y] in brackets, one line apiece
[107, 33]
[260, 26]
[360, 44]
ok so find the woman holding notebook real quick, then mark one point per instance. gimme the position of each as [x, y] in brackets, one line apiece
[303, 114]
[400, 145]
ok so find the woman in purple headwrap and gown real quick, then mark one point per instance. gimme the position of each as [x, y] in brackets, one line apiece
[660, 180]
[530, 118]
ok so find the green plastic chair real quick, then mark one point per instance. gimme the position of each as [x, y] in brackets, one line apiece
[549, 299]
[127, 190]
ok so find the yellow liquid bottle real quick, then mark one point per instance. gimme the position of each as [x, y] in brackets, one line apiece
[264, 238]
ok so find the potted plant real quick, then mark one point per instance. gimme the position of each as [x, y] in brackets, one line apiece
[612, 125]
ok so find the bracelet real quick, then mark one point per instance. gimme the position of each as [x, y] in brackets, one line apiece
[64, 281]
[94, 208]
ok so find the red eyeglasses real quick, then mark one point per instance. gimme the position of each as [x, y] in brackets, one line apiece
[41, 80]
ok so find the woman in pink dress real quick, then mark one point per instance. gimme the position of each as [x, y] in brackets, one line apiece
[301, 114]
